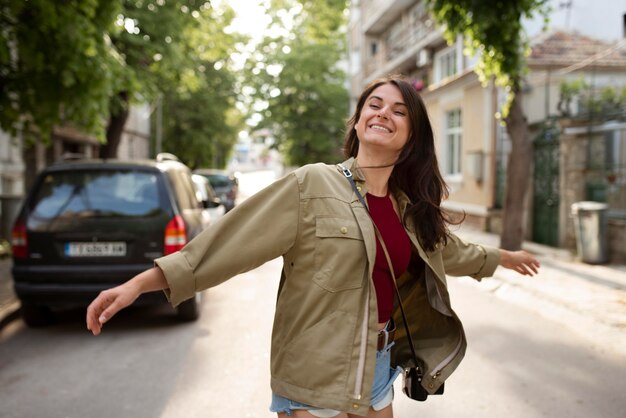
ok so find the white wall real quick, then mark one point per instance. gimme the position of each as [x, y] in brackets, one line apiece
[135, 142]
[11, 165]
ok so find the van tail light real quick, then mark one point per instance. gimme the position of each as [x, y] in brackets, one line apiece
[19, 240]
[175, 235]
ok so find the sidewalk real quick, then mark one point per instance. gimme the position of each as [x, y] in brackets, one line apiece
[589, 299]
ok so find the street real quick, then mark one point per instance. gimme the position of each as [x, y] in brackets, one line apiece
[519, 362]
[145, 364]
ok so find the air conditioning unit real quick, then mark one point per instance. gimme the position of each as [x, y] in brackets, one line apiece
[423, 58]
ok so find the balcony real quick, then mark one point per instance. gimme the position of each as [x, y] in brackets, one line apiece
[400, 53]
[421, 33]
[378, 15]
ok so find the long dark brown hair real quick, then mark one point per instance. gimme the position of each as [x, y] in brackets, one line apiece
[416, 172]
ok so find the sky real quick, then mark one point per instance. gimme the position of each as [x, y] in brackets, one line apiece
[602, 19]
[250, 19]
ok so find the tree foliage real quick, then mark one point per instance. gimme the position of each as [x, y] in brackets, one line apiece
[84, 62]
[298, 82]
[202, 122]
[494, 29]
[152, 37]
[57, 64]
[606, 103]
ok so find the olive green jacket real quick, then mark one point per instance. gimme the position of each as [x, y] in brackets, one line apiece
[325, 329]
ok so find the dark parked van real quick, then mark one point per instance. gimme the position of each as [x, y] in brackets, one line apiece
[88, 225]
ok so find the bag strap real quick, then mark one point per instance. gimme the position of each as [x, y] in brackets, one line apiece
[348, 174]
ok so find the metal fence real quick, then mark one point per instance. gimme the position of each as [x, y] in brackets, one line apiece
[606, 167]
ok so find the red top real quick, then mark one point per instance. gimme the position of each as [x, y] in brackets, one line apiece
[398, 246]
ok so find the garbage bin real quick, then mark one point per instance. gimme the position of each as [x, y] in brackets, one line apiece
[590, 222]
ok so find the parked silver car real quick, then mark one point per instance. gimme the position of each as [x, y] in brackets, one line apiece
[213, 206]
[225, 185]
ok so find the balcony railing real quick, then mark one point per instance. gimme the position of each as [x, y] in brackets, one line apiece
[409, 36]
[380, 14]
[401, 49]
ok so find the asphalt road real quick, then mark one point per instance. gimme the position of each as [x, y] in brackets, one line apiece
[145, 364]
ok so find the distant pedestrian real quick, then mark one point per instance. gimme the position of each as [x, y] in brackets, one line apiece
[333, 347]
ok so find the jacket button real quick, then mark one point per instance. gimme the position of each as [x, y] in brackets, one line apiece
[355, 406]
[358, 188]
[431, 386]
[343, 230]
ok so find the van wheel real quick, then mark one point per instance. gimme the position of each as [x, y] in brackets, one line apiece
[36, 316]
[189, 310]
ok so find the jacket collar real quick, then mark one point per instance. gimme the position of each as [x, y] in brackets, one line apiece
[402, 199]
[353, 165]
[358, 176]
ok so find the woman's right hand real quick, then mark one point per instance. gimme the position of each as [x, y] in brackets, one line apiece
[111, 301]
[108, 303]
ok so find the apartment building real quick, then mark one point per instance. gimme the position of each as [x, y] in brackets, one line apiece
[391, 37]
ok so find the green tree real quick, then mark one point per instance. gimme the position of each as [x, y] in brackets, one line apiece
[494, 29]
[202, 122]
[152, 37]
[201, 127]
[57, 65]
[298, 82]
[84, 62]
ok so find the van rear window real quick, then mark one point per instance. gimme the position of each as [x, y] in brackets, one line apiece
[97, 193]
[218, 180]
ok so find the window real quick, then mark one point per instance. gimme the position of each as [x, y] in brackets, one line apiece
[394, 41]
[373, 49]
[419, 22]
[96, 194]
[183, 187]
[454, 136]
[446, 64]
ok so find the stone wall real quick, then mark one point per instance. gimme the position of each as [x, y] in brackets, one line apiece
[573, 163]
[574, 153]
[617, 240]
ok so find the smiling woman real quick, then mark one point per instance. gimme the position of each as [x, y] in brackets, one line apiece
[336, 350]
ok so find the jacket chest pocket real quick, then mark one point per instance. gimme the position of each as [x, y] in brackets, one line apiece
[340, 257]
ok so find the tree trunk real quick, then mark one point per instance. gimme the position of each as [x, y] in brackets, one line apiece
[115, 128]
[518, 175]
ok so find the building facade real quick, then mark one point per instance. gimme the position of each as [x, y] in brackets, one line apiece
[400, 37]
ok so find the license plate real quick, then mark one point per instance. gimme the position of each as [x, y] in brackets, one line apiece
[95, 249]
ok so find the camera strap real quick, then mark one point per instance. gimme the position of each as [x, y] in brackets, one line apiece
[348, 174]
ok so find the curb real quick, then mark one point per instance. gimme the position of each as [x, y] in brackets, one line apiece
[9, 303]
[9, 313]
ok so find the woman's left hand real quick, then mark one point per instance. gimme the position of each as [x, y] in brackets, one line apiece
[520, 261]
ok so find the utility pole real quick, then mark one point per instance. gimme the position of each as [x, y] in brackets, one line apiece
[567, 5]
[159, 125]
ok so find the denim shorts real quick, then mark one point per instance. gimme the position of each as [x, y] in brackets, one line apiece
[382, 390]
